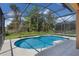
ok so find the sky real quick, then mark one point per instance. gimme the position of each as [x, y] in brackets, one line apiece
[55, 7]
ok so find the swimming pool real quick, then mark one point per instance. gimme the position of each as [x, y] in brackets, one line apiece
[37, 42]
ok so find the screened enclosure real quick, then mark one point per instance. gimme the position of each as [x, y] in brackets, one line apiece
[40, 17]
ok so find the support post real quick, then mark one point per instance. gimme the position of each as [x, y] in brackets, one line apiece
[76, 8]
[2, 28]
[77, 29]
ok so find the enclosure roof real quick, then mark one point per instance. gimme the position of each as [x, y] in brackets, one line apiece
[58, 9]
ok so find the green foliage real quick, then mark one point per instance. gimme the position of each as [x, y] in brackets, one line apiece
[7, 34]
[26, 34]
[35, 23]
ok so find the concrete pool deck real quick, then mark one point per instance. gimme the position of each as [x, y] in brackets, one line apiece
[6, 50]
[68, 48]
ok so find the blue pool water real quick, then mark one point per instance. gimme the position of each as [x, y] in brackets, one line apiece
[37, 42]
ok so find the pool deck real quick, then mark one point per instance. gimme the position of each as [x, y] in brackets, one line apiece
[6, 50]
[68, 48]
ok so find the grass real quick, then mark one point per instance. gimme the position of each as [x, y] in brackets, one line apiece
[68, 34]
[26, 34]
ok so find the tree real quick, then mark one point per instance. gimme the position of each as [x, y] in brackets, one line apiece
[50, 20]
[17, 17]
[40, 21]
[34, 18]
